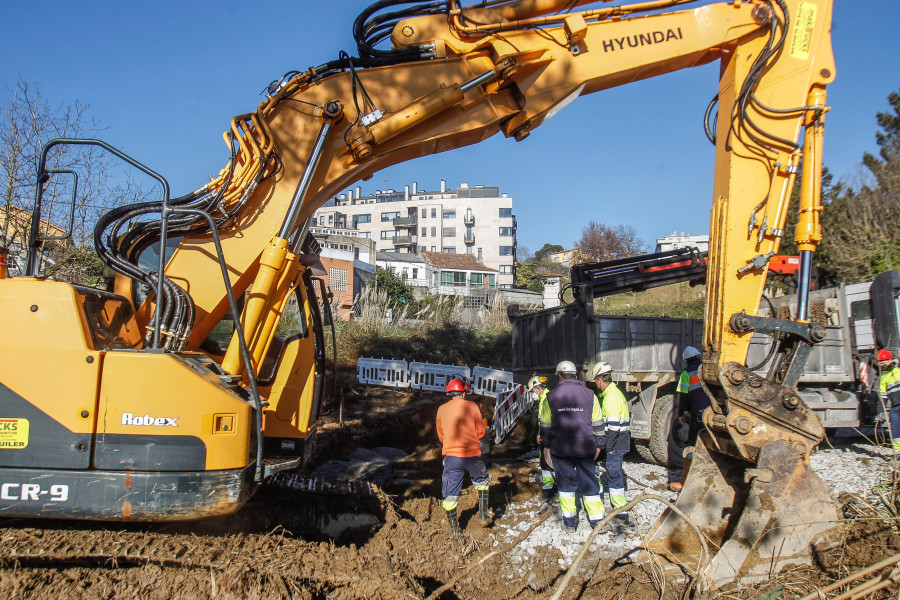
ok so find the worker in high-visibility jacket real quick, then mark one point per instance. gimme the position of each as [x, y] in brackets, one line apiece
[691, 401]
[617, 421]
[889, 390]
[538, 386]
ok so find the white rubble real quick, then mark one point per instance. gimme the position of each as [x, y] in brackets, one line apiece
[853, 465]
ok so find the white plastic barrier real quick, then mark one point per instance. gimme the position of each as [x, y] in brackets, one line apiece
[490, 382]
[434, 377]
[511, 405]
[383, 371]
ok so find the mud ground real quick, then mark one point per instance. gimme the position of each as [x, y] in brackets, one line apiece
[273, 548]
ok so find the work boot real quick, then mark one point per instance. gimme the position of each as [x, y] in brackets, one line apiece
[483, 507]
[546, 500]
[453, 517]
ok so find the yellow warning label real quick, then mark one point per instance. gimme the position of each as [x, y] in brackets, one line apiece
[803, 30]
[13, 434]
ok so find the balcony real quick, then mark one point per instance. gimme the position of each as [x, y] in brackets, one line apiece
[469, 239]
[405, 222]
[405, 240]
[469, 219]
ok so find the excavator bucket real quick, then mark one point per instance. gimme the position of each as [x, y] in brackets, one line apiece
[756, 518]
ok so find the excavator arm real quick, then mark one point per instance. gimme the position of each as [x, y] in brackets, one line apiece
[453, 77]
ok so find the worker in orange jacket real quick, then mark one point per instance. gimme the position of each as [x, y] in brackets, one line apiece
[460, 428]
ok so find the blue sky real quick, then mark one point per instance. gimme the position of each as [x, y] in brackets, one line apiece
[165, 78]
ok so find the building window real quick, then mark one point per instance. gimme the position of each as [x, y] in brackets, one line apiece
[424, 232]
[337, 279]
[389, 216]
[424, 213]
[364, 234]
[357, 219]
[448, 231]
[330, 219]
[433, 211]
[434, 232]
[505, 212]
[482, 280]
[449, 214]
[474, 301]
[415, 272]
[506, 250]
[433, 249]
[453, 278]
[506, 269]
[389, 234]
[448, 250]
[479, 255]
[469, 250]
[506, 231]
[314, 224]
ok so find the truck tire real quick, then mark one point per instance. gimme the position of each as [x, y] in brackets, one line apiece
[664, 446]
[643, 448]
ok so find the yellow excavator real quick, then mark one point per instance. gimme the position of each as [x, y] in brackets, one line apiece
[118, 405]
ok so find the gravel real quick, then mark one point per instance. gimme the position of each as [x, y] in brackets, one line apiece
[852, 465]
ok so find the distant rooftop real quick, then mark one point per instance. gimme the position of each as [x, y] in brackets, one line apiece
[460, 262]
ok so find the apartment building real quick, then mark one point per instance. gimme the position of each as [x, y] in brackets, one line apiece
[476, 220]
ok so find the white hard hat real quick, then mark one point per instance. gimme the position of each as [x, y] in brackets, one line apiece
[601, 368]
[536, 380]
[566, 366]
[690, 352]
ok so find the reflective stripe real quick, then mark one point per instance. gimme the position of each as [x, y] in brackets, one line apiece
[547, 479]
[616, 491]
[567, 504]
[619, 427]
[594, 507]
[450, 503]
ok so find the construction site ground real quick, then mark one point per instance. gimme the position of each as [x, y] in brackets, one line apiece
[396, 544]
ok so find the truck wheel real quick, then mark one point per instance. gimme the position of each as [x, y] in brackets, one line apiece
[665, 447]
[643, 449]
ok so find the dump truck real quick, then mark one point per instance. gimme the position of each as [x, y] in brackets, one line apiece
[646, 352]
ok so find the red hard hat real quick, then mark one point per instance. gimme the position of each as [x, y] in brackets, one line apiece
[457, 384]
[884, 355]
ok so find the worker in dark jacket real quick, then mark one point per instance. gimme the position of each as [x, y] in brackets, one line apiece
[575, 436]
[617, 424]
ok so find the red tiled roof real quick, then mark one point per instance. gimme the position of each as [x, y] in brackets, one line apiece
[460, 262]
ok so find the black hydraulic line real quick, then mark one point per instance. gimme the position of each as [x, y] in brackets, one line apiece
[711, 130]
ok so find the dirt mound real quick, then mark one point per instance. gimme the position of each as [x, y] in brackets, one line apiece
[275, 548]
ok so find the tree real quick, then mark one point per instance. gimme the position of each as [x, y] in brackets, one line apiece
[398, 292]
[28, 121]
[531, 271]
[600, 242]
[861, 237]
[546, 250]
